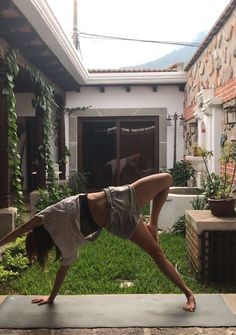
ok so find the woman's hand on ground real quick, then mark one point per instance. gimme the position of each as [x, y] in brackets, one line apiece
[42, 301]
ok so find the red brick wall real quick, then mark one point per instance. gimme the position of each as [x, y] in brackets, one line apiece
[227, 91]
[188, 112]
[193, 245]
[229, 170]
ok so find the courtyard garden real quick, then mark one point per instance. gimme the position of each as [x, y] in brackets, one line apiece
[107, 266]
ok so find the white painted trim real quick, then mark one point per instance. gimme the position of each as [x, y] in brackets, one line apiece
[138, 78]
[39, 14]
[41, 17]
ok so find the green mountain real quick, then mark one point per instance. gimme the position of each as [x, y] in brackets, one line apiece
[180, 55]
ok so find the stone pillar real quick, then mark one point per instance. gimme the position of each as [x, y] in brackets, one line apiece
[7, 220]
[40, 166]
[4, 165]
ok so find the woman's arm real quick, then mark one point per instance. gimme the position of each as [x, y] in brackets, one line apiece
[35, 221]
[60, 276]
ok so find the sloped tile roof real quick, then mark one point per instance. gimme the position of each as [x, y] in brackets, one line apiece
[172, 68]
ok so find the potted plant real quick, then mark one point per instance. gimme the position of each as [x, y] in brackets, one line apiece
[181, 173]
[217, 189]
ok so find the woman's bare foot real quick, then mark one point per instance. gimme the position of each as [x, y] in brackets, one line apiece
[190, 305]
[153, 231]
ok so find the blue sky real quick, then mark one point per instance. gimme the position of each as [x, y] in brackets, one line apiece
[160, 20]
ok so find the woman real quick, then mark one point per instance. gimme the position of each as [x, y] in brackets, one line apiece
[78, 219]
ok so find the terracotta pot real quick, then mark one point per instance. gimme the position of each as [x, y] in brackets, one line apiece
[222, 207]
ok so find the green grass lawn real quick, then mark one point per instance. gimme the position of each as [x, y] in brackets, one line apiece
[104, 263]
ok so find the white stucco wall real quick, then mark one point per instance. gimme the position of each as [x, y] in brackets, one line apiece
[168, 97]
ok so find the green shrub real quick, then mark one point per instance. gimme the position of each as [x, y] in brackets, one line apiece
[146, 209]
[14, 260]
[199, 203]
[56, 194]
[213, 186]
[178, 227]
[79, 182]
[181, 173]
[6, 275]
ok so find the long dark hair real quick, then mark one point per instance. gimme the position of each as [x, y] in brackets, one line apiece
[38, 243]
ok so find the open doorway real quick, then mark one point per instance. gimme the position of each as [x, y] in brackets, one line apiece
[117, 151]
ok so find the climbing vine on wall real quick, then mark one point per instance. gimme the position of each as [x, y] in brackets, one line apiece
[44, 99]
[14, 157]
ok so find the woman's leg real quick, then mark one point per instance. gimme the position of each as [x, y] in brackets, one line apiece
[144, 240]
[156, 188]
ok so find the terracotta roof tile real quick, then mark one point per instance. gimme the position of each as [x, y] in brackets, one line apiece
[131, 69]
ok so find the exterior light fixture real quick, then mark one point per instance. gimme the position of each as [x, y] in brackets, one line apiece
[193, 128]
[181, 120]
[230, 115]
[169, 119]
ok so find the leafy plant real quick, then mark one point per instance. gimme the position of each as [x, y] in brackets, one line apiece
[199, 203]
[44, 99]
[211, 186]
[181, 173]
[52, 196]
[14, 157]
[79, 182]
[14, 260]
[6, 275]
[64, 159]
[214, 185]
[178, 227]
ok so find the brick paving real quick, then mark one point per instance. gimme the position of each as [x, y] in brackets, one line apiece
[123, 331]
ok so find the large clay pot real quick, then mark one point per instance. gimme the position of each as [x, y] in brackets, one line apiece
[222, 207]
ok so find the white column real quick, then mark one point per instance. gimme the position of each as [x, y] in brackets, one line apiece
[215, 114]
[209, 111]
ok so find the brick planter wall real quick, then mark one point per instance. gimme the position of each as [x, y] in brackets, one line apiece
[211, 245]
[193, 245]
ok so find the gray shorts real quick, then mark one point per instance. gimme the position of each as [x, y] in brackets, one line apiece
[124, 210]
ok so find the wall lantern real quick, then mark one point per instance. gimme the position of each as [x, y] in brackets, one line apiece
[230, 115]
[181, 120]
[168, 120]
[175, 117]
[193, 128]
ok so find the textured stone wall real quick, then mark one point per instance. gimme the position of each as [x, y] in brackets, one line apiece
[215, 68]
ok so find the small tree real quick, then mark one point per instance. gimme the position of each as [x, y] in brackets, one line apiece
[181, 173]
